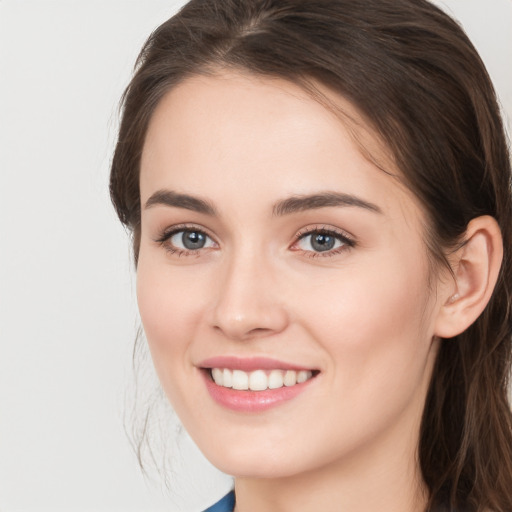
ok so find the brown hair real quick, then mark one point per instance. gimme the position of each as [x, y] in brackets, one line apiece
[414, 75]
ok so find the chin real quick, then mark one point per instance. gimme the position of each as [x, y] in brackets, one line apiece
[261, 468]
[250, 459]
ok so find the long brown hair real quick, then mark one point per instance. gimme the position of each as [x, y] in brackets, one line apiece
[414, 75]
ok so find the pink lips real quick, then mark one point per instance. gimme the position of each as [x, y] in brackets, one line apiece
[248, 364]
[250, 401]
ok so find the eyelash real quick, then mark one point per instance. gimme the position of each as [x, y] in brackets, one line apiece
[164, 238]
[347, 241]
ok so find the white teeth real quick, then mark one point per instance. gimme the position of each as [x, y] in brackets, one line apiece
[228, 378]
[303, 376]
[275, 379]
[240, 380]
[290, 378]
[218, 376]
[258, 380]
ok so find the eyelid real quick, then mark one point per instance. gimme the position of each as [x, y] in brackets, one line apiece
[176, 228]
[325, 228]
[165, 236]
[348, 240]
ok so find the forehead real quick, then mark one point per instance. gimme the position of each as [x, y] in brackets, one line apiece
[230, 136]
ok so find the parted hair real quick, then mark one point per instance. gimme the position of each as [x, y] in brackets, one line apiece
[417, 80]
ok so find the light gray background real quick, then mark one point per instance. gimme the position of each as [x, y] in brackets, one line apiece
[67, 301]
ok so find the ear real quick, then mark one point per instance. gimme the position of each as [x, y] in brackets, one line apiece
[476, 267]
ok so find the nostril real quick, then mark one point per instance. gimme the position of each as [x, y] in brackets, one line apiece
[244, 331]
[259, 330]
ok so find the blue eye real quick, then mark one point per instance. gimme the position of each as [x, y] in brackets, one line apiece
[323, 241]
[183, 240]
[190, 240]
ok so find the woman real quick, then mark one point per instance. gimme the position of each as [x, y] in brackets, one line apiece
[319, 195]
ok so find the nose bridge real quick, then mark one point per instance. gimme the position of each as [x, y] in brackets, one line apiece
[248, 301]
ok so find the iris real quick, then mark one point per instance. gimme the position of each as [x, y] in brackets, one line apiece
[322, 242]
[193, 240]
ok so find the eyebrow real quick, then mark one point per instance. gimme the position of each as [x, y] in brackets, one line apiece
[177, 200]
[296, 203]
[301, 203]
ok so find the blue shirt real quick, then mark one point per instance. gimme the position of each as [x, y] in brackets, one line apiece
[226, 504]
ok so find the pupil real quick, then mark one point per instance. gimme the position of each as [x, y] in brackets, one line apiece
[322, 242]
[193, 240]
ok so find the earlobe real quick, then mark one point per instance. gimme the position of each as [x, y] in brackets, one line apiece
[476, 267]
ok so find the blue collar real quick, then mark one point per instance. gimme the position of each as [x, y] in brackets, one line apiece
[226, 504]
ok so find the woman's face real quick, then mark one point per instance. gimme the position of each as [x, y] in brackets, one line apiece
[275, 255]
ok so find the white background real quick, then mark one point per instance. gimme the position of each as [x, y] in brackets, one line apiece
[67, 302]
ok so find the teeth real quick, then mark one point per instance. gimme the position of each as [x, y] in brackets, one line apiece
[275, 379]
[240, 380]
[258, 380]
[218, 376]
[303, 376]
[227, 377]
[290, 378]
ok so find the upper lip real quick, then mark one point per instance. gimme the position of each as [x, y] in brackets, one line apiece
[249, 363]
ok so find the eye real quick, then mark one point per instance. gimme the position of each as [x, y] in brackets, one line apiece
[325, 242]
[185, 241]
[190, 240]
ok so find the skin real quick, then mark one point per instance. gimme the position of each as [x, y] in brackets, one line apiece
[365, 317]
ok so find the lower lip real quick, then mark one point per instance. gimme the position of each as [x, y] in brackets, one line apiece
[252, 401]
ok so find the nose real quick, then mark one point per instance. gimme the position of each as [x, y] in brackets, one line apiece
[248, 303]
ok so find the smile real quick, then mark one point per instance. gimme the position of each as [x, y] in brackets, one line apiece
[254, 385]
[258, 380]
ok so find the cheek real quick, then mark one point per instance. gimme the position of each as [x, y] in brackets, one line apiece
[373, 321]
[372, 326]
[169, 306]
[170, 309]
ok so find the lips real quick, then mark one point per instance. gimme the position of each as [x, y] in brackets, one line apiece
[248, 364]
[254, 384]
